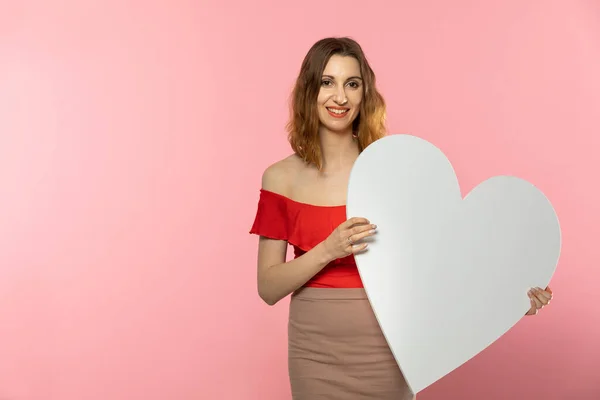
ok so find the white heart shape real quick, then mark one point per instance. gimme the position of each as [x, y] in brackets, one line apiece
[446, 277]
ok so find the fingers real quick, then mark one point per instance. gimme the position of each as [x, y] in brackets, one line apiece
[354, 221]
[538, 298]
[358, 233]
[536, 301]
[362, 231]
[533, 310]
[357, 248]
[352, 231]
[543, 296]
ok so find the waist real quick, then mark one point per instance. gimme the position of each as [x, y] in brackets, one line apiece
[337, 276]
[313, 293]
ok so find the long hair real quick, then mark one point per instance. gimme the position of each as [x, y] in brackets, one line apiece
[303, 126]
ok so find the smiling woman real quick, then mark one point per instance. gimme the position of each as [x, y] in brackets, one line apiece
[336, 349]
[336, 88]
[335, 345]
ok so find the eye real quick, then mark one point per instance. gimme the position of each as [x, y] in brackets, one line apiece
[325, 82]
[354, 84]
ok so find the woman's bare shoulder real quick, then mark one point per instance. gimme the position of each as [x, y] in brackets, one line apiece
[279, 176]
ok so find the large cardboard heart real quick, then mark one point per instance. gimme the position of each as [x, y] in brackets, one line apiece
[446, 276]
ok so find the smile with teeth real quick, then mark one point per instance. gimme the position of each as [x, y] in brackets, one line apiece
[337, 111]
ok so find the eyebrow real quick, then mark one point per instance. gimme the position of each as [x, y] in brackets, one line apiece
[352, 77]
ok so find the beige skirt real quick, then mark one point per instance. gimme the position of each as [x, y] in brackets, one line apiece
[336, 349]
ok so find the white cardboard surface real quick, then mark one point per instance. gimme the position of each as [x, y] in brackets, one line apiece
[446, 277]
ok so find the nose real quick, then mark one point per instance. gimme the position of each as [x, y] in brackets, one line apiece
[340, 96]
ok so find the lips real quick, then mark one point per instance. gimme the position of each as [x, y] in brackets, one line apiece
[337, 112]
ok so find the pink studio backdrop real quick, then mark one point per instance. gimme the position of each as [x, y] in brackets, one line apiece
[133, 136]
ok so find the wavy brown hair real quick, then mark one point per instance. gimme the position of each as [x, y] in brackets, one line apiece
[303, 126]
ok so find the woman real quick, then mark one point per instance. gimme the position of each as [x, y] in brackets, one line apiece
[336, 348]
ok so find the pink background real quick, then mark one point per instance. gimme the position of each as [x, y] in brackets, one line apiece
[132, 140]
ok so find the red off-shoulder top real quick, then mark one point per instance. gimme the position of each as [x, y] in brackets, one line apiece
[304, 226]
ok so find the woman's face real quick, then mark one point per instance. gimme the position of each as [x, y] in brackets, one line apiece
[341, 93]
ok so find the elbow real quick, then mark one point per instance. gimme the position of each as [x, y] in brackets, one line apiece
[268, 299]
[270, 302]
[264, 293]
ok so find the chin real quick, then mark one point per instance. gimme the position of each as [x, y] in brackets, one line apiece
[337, 126]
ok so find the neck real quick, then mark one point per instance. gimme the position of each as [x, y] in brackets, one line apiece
[339, 150]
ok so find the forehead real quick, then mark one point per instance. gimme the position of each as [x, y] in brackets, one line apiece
[342, 67]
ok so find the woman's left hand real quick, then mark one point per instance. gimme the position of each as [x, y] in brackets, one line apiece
[539, 298]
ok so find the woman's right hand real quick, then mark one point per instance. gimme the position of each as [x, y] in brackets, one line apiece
[342, 241]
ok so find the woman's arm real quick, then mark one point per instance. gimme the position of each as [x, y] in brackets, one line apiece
[277, 278]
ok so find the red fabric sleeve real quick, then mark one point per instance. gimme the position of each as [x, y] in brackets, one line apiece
[271, 216]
